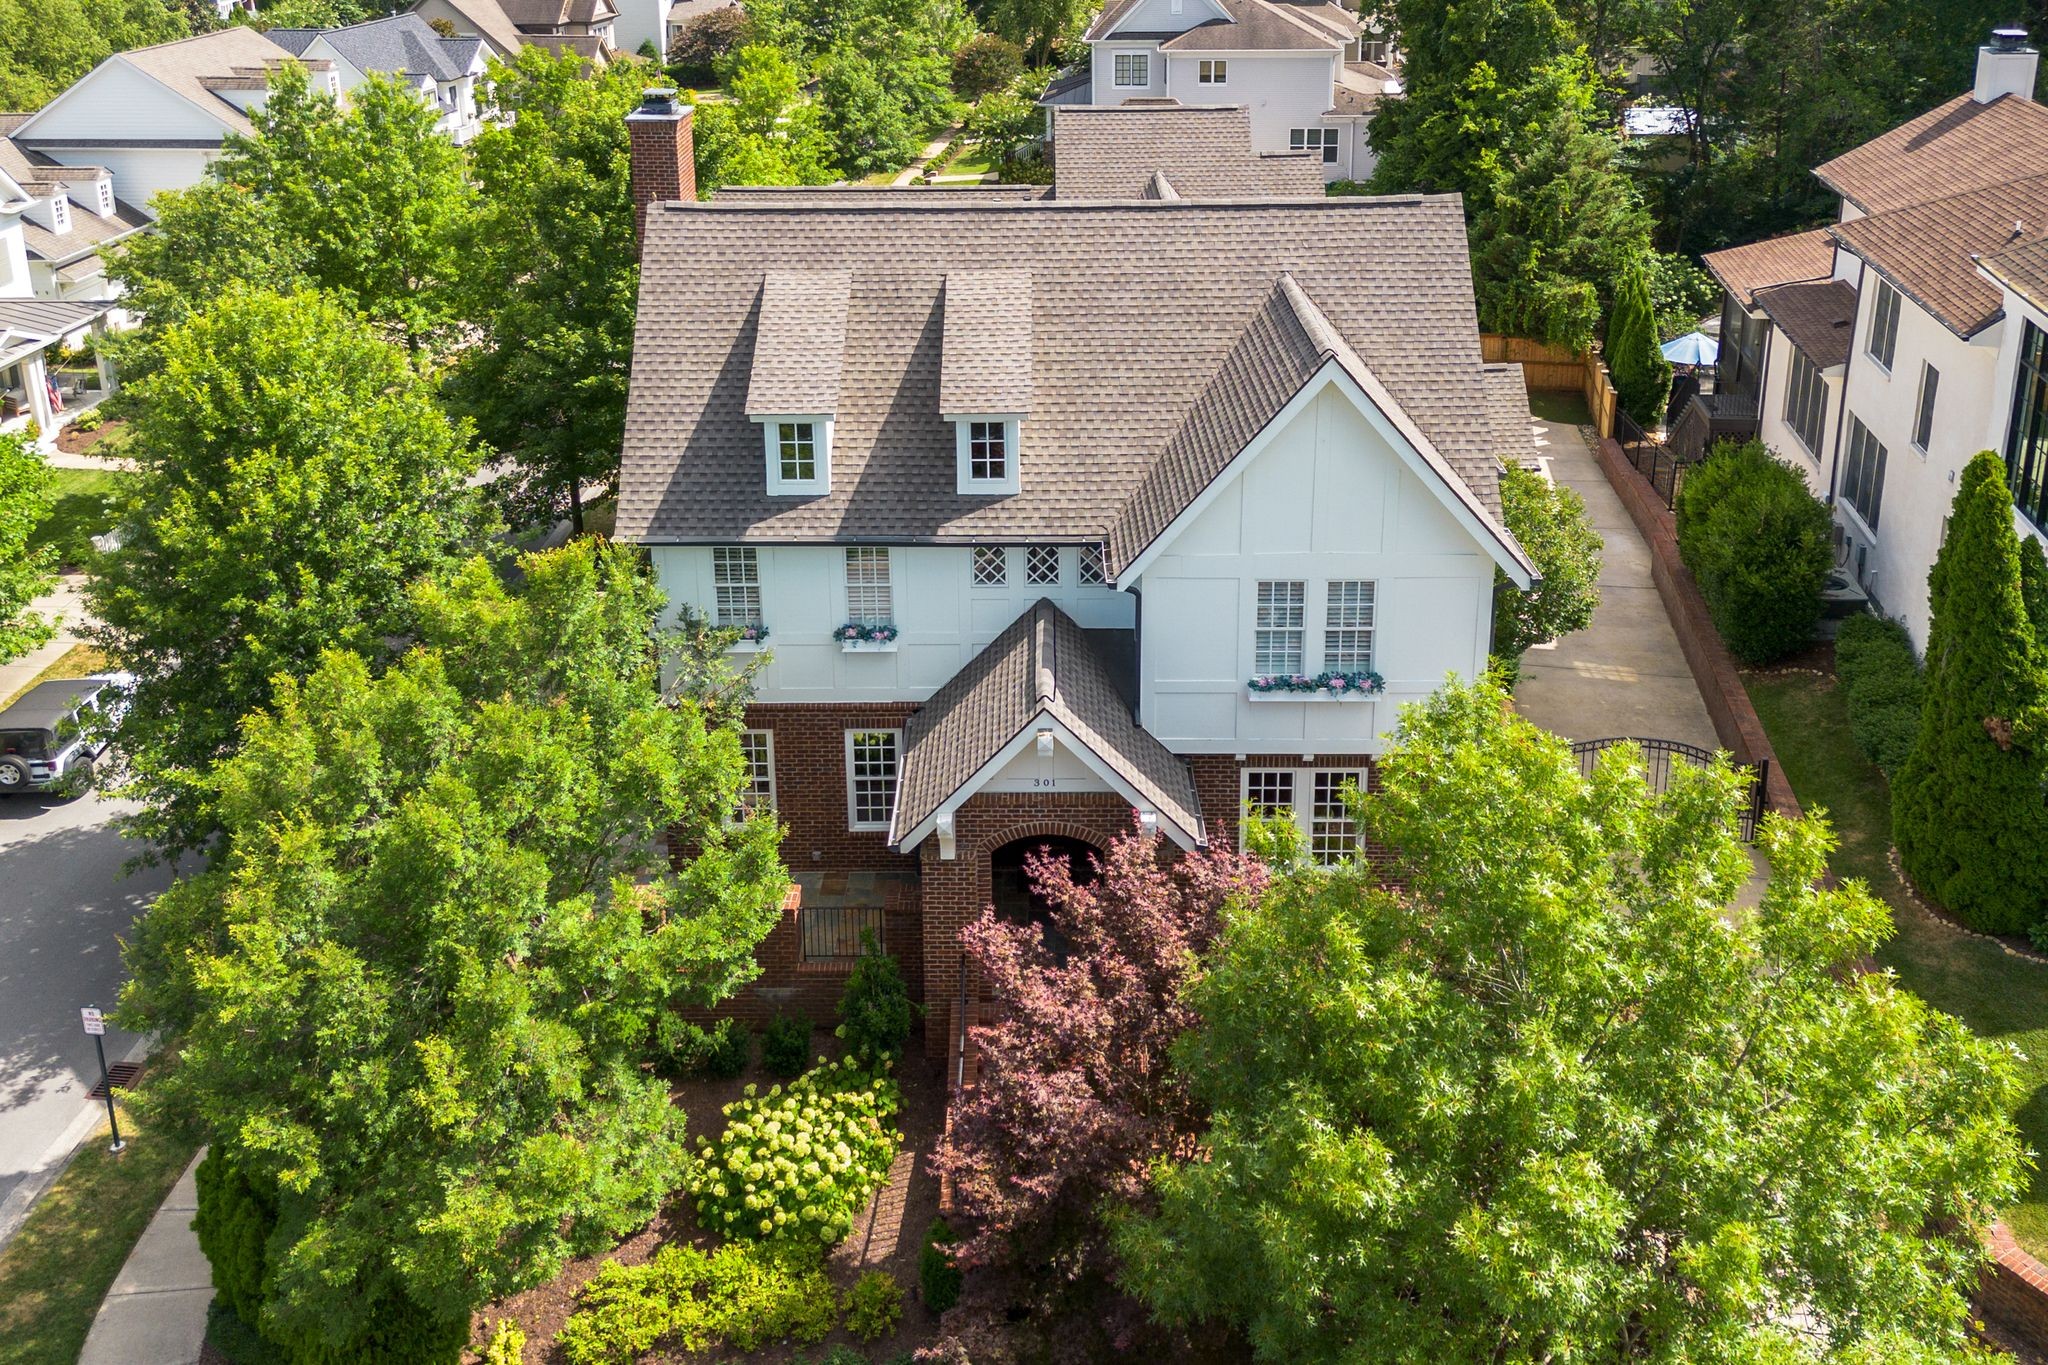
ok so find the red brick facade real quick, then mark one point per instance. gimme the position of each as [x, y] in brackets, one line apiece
[789, 985]
[810, 785]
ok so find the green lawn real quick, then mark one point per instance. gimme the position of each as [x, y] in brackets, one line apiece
[58, 1267]
[970, 161]
[1997, 994]
[1561, 405]
[79, 512]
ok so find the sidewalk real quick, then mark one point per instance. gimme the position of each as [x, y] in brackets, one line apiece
[155, 1313]
[67, 603]
[924, 158]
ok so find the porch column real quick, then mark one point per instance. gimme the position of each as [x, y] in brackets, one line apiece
[109, 378]
[35, 378]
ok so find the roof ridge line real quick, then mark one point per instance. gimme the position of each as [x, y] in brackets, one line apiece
[1835, 229]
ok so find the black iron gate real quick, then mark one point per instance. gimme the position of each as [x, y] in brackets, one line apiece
[1660, 754]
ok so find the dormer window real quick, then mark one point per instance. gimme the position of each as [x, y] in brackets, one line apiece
[799, 454]
[986, 448]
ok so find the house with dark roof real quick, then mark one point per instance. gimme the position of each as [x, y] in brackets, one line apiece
[1057, 513]
[1879, 353]
[1308, 73]
[442, 71]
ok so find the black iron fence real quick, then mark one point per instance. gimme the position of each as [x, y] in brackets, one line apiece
[838, 933]
[1658, 756]
[1652, 459]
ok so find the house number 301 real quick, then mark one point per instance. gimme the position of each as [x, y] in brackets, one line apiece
[1045, 781]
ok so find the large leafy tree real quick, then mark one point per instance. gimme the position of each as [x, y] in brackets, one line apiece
[295, 475]
[1076, 1095]
[1551, 1097]
[1967, 809]
[549, 279]
[25, 573]
[1550, 522]
[45, 45]
[413, 993]
[363, 202]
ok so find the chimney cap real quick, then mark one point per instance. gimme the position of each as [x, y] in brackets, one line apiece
[658, 101]
[2011, 39]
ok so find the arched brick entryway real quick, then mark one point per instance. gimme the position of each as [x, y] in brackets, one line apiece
[955, 891]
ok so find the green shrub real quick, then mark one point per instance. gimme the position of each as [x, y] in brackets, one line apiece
[1967, 810]
[799, 1164]
[507, 1345]
[1880, 681]
[742, 1295]
[1642, 376]
[873, 1306]
[233, 1221]
[938, 1279]
[1551, 523]
[842, 1355]
[786, 1046]
[686, 1049]
[89, 420]
[875, 1012]
[1757, 542]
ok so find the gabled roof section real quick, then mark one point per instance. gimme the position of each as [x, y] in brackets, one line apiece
[183, 67]
[1817, 316]
[1742, 270]
[489, 19]
[1041, 668]
[1929, 251]
[1268, 26]
[985, 364]
[800, 344]
[1136, 305]
[2022, 269]
[1200, 151]
[1287, 344]
[1951, 149]
[400, 44]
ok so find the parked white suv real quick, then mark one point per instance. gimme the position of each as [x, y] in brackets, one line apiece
[54, 734]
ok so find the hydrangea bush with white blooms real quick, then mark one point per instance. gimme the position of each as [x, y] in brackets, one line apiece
[799, 1163]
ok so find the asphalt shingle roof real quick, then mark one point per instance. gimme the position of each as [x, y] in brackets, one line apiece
[1742, 270]
[1817, 315]
[1268, 26]
[400, 43]
[1135, 309]
[800, 342]
[1929, 251]
[1953, 148]
[1204, 151]
[2024, 270]
[985, 347]
[1041, 665]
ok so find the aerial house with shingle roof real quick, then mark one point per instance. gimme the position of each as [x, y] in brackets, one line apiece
[1060, 515]
[1877, 354]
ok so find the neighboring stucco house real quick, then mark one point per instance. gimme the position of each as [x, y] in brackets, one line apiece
[1878, 354]
[1299, 69]
[1062, 512]
[155, 118]
[442, 71]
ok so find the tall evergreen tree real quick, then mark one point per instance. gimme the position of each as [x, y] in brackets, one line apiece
[1967, 807]
[1642, 376]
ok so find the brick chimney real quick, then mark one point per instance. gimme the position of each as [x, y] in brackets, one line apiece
[2005, 66]
[664, 153]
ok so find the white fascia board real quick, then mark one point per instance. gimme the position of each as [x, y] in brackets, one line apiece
[1333, 374]
[1043, 719]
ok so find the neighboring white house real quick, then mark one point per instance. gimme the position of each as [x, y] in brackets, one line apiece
[31, 399]
[1876, 355]
[442, 71]
[72, 212]
[1058, 507]
[588, 28]
[1305, 71]
[155, 118]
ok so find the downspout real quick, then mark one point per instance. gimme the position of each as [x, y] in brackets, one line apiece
[1842, 408]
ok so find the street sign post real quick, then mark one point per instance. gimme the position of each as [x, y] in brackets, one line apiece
[96, 1025]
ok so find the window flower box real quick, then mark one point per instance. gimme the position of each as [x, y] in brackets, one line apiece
[856, 637]
[752, 637]
[1314, 687]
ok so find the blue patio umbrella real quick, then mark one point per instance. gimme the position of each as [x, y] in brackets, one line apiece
[1694, 348]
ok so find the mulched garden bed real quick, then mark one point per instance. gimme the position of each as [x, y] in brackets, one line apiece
[889, 1236]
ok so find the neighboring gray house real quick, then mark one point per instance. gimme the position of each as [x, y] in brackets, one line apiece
[405, 47]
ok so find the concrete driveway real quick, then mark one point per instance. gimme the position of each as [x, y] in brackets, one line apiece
[1624, 675]
[65, 906]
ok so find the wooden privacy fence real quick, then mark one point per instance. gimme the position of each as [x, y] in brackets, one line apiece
[1556, 368]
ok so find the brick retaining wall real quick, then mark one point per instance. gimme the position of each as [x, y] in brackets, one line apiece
[1714, 669]
[2012, 1292]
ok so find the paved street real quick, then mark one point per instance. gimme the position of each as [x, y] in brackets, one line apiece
[64, 906]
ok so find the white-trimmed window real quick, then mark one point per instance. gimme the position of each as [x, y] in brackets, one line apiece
[1863, 473]
[986, 450]
[1322, 140]
[799, 453]
[869, 600]
[736, 585]
[1212, 71]
[1132, 69]
[991, 566]
[1923, 420]
[871, 777]
[1328, 832]
[1279, 626]
[1332, 833]
[1091, 565]
[1883, 341]
[1348, 625]
[1806, 399]
[1042, 565]
[758, 748]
